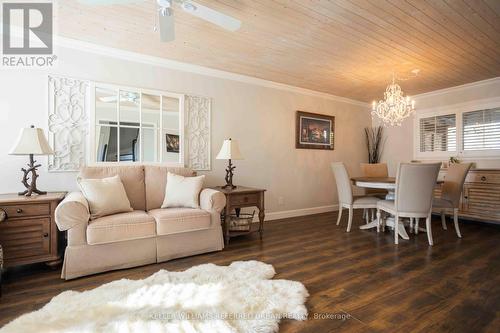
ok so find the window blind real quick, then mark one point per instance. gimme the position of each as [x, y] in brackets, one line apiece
[438, 133]
[481, 129]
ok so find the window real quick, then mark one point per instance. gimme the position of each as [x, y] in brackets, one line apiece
[438, 133]
[135, 125]
[468, 130]
[481, 130]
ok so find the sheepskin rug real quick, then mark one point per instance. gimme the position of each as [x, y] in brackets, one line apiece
[240, 297]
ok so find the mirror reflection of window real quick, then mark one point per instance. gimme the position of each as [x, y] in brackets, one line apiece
[129, 126]
[106, 113]
[135, 126]
[150, 118]
[170, 126]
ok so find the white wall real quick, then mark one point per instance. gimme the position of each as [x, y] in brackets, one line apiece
[400, 140]
[261, 118]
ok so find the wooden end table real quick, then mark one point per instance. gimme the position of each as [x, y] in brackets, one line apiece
[28, 232]
[238, 198]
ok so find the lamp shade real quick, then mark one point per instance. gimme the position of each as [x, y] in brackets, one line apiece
[31, 141]
[229, 151]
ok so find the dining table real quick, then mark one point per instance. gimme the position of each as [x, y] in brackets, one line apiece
[389, 184]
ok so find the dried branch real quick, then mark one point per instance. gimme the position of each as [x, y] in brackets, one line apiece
[375, 142]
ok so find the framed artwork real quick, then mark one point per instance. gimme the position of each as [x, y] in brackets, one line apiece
[314, 131]
[172, 143]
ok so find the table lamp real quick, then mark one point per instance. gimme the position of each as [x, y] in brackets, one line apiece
[31, 141]
[229, 151]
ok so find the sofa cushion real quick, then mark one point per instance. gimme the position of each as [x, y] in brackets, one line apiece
[177, 220]
[105, 196]
[156, 180]
[121, 227]
[183, 191]
[132, 178]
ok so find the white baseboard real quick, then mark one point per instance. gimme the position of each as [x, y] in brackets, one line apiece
[298, 212]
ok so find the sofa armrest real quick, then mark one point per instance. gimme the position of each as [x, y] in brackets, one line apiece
[212, 200]
[72, 211]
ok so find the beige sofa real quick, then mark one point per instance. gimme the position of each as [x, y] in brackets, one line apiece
[147, 235]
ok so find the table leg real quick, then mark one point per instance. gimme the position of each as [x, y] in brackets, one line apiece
[226, 224]
[370, 225]
[402, 231]
[261, 222]
[389, 222]
[262, 215]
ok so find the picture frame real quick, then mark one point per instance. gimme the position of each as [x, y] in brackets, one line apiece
[314, 131]
[172, 143]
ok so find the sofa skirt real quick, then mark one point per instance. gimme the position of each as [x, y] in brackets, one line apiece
[81, 260]
[87, 259]
[186, 244]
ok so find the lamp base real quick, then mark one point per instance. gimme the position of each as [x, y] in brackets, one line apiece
[30, 187]
[229, 176]
[27, 193]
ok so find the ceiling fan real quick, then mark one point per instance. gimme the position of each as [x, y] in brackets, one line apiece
[166, 14]
[125, 96]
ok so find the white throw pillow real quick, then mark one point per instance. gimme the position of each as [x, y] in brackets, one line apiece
[105, 196]
[182, 191]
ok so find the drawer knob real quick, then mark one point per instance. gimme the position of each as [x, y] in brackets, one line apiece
[19, 210]
[483, 178]
[45, 235]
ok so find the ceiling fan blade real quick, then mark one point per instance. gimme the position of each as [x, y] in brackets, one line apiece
[107, 2]
[212, 16]
[167, 27]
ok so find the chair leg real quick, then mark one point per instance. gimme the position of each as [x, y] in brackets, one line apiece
[378, 220]
[373, 215]
[350, 219]
[443, 220]
[455, 221]
[340, 214]
[365, 215]
[429, 230]
[396, 229]
[416, 225]
[411, 225]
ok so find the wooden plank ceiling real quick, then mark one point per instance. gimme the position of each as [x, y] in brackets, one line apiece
[347, 48]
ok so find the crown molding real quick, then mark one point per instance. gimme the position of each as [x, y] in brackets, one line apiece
[458, 88]
[195, 69]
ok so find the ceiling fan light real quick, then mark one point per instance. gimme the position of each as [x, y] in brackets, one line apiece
[188, 6]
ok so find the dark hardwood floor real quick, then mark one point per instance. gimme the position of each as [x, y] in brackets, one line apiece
[375, 285]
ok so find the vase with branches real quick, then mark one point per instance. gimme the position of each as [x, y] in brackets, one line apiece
[374, 142]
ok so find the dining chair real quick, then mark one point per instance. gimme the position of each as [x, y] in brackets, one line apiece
[378, 170]
[414, 191]
[346, 198]
[451, 193]
[374, 169]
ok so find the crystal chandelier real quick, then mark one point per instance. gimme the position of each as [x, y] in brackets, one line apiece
[395, 107]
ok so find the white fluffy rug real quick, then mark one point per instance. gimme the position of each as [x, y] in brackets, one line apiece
[205, 298]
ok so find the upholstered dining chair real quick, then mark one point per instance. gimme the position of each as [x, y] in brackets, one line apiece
[346, 199]
[414, 191]
[451, 192]
[378, 170]
[374, 169]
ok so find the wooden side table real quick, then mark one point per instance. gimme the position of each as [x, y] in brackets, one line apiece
[28, 232]
[238, 198]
